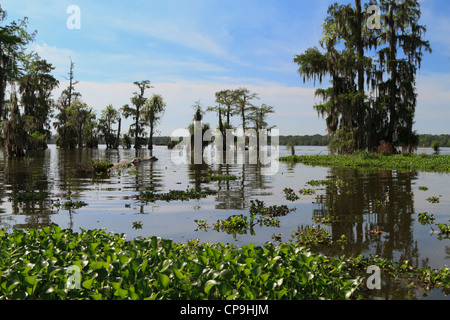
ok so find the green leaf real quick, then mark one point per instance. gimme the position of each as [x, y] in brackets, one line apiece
[279, 294]
[226, 274]
[122, 293]
[256, 271]
[97, 296]
[30, 280]
[163, 280]
[123, 259]
[209, 284]
[178, 274]
[96, 265]
[87, 284]
[165, 265]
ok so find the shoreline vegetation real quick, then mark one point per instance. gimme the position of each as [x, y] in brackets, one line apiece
[404, 161]
[108, 266]
[425, 140]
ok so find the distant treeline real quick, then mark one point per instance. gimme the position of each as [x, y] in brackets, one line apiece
[425, 140]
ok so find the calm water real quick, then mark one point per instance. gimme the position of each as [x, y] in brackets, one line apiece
[372, 199]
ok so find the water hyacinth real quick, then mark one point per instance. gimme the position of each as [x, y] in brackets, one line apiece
[111, 267]
[427, 163]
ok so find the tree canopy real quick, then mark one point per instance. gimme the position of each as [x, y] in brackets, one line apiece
[372, 98]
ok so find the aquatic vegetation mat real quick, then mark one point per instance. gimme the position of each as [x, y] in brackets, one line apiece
[35, 264]
[422, 162]
[176, 195]
[55, 263]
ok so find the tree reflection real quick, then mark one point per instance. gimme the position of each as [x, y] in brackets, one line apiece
[371, 200]
[29, 185]
[234, 194]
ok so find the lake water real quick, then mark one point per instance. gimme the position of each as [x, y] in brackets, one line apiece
[384, 200]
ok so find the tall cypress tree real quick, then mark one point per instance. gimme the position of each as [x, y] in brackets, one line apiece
[355, 120]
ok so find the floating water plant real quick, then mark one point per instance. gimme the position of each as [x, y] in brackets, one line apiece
[259, 214]
[311, 235]
[218, 177]
[307, 191]
[258, 207]
[202, 225]
[176, 195]
[332, 183]
[428, 163]
[110, 267]
[433, 199]
[290, 194]
[236, 224]
[444, 230]
[426, 218]
[69, 204]
[327, 220]
[137, 224]
[101, 167]
[95, 168]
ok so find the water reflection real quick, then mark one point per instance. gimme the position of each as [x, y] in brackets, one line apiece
[372, 201]
[26, 188]
[388, 201]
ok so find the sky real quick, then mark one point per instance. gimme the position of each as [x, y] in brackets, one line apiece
[190, 50]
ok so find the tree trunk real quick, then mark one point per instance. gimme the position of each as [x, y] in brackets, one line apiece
[136, 130]
[150, 139]
[360, 136]
[80, 136]
[116, 145]
[392, 64]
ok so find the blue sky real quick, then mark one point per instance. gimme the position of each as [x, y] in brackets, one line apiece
[191, 49]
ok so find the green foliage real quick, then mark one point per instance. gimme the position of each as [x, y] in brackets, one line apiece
[176, 195]
[137, 224]
[219, 177]
[109, 117]
[427, 163]
[101, 166]
[314, 140]
[202, 225]
[426, 218]
[427, 140]
[236, 224]
[290, 194]
[327, 220]
[258, 207]
[311, 236]
[332, 183]
[34, 265]
[138, 100]
[70, 204]
[358, 117]
[152, 113]
[444, 230]
[259, 214]
[307, 191]
[433, 199]
[436, 146]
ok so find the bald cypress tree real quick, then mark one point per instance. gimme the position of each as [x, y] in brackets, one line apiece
[401, 48]
[354, 119]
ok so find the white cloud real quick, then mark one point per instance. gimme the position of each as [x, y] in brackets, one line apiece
[59, 58]
[433, 96]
